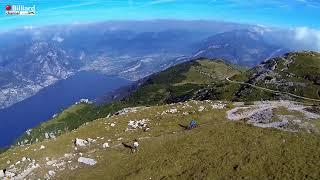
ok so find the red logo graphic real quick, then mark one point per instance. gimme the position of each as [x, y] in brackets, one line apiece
[8, 7]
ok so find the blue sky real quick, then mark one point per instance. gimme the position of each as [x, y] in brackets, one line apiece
[279, 13]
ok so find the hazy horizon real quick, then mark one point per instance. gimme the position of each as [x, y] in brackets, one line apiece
[273, 13]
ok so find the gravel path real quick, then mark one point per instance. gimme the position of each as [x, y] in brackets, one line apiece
[272, 91]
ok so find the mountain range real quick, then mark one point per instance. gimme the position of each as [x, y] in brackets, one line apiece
[38, 57]
[279, 78]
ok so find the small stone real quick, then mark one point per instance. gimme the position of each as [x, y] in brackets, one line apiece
[51, 163]
[46, 135]
[201, 108]
[80, 142]
[51, 173]
[9, 174]
[67, 155]
[105, 145]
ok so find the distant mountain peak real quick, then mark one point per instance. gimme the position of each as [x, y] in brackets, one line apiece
[244, 47]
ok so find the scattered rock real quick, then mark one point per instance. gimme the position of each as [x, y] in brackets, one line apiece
[28, 131]
[86, 101]
[80, 142]
[105, 145]
[218, 106]
[201, 108]
[91, 140]
[50, 163]
[9, 174]
[46, 135]
[87, 161]
[127, 110]
[26, 172]
[138, 124]
[172, 111]
[67, 155]
[51, 173]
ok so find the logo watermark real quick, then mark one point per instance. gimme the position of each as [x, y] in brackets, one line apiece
[20, 10]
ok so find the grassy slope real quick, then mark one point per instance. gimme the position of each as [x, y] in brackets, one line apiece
[217, 149]
[182, 82]
[305, 69]
[176, 84]
[69, 120]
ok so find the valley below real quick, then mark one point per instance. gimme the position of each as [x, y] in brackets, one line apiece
[52, 100]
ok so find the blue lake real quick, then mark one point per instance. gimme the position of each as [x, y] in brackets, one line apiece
[52, 99]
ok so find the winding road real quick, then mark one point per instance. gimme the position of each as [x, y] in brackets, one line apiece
[264, 89]
[272, 91]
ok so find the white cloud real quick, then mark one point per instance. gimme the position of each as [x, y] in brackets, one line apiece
[72, 6]
[303, 1]
[161, 1]
[308, 38]
[310, 3]
[28, 27]
[58, 39]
